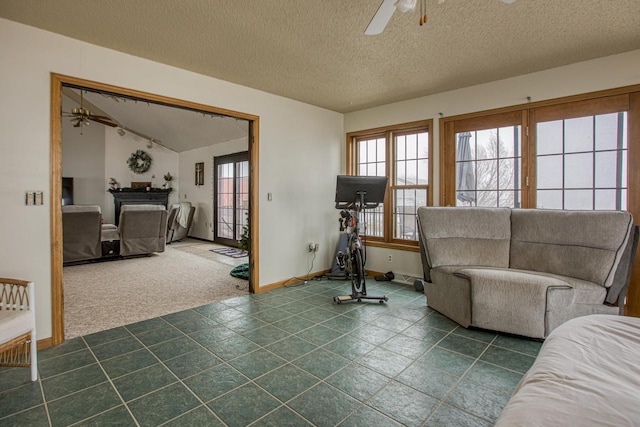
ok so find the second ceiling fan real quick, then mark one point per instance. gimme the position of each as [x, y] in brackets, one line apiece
[388, 7]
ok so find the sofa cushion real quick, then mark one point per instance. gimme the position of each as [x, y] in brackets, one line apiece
[466, 236]
[512, 301]
[583, 244]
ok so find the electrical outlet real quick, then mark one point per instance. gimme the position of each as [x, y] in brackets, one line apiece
[390, 259]
[312, 246]
[317, 247]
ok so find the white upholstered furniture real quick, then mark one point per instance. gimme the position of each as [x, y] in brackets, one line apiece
[586, 374]
[525, 271]
[18, 325]
[179, 222]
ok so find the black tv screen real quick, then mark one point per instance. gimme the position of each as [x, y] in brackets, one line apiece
[67, 191]
[349, 189]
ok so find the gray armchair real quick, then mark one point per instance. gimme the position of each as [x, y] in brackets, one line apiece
[179, 223]
[142, 229]
[81, 228]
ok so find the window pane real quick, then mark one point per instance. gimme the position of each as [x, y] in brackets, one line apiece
[549, 135]
[509, 141]
[487, 199]
[607, 199]
[404, 218]
[549, 199]
[401, 174]
[607, 169]
[423, 172]
[578, 134]
[412, 146]
[508, 199]
[578, 199]
[423, 145]
[371, 151]
[549, 172]
[486, 144]
[606, 131]
[578, 170]
[412, 172]
[374, 222]
[508, 179]
[400, 148]
[381, 150]
[487, 174]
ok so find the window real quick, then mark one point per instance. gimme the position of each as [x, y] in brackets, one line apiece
[562, 155]
[488, 167]
[402, 153]
[581, 155]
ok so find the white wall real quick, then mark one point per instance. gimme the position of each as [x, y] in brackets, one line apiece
[201, 196]
[118, 149]
[300, 153]
[83, 159]
[599, 74]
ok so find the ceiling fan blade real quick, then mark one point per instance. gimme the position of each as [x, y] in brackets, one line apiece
[381, 18]
[105, 121]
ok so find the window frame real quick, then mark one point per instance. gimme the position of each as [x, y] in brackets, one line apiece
[388, 133]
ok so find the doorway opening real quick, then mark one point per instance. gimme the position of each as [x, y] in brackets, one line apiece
[57, 84]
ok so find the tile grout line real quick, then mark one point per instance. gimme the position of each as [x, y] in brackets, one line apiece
[456, 385]
[179, 380]
[109, 380]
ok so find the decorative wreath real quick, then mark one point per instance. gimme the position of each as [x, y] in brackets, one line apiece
[139, 162]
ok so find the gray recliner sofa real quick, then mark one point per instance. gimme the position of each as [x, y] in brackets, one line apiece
[142, 229]
[81, 232]
[525, 271]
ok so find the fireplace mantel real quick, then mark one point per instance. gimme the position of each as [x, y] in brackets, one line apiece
[138, 196]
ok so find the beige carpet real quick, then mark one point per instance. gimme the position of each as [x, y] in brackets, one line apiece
[104, 295]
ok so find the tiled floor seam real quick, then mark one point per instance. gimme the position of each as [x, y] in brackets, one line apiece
[444, 399]
[161, 362]
[112, 385]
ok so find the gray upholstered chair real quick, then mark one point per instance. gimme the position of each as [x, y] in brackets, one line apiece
[81, 228]
[142, 229]
[179, 223]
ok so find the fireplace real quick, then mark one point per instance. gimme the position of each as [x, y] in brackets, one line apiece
[138, 196]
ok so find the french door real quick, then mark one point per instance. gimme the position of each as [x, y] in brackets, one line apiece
[231, 197]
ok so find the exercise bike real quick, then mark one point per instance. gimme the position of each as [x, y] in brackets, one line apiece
[354, 194]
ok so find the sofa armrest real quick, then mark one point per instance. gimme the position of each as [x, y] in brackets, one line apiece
[617, 292]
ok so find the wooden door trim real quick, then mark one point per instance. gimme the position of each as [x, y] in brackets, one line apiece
[57, 81]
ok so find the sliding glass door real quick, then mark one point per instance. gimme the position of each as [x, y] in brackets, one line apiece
[231, 198]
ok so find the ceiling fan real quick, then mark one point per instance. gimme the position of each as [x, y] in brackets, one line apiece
[387, 7]
[81, 117]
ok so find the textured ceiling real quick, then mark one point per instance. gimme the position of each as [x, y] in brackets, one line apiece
[315, 51]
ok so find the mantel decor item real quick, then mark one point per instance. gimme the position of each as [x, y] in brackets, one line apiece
[167, 180]
[139, 162]
[200, 173]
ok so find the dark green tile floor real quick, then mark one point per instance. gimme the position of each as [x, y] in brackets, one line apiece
[286, 357]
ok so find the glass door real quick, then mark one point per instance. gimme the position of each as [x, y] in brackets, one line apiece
[231, 198]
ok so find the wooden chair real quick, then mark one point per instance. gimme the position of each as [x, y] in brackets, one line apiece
[18, 325]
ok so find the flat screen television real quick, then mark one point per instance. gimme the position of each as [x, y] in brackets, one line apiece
[350, 189]
[67, 191]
